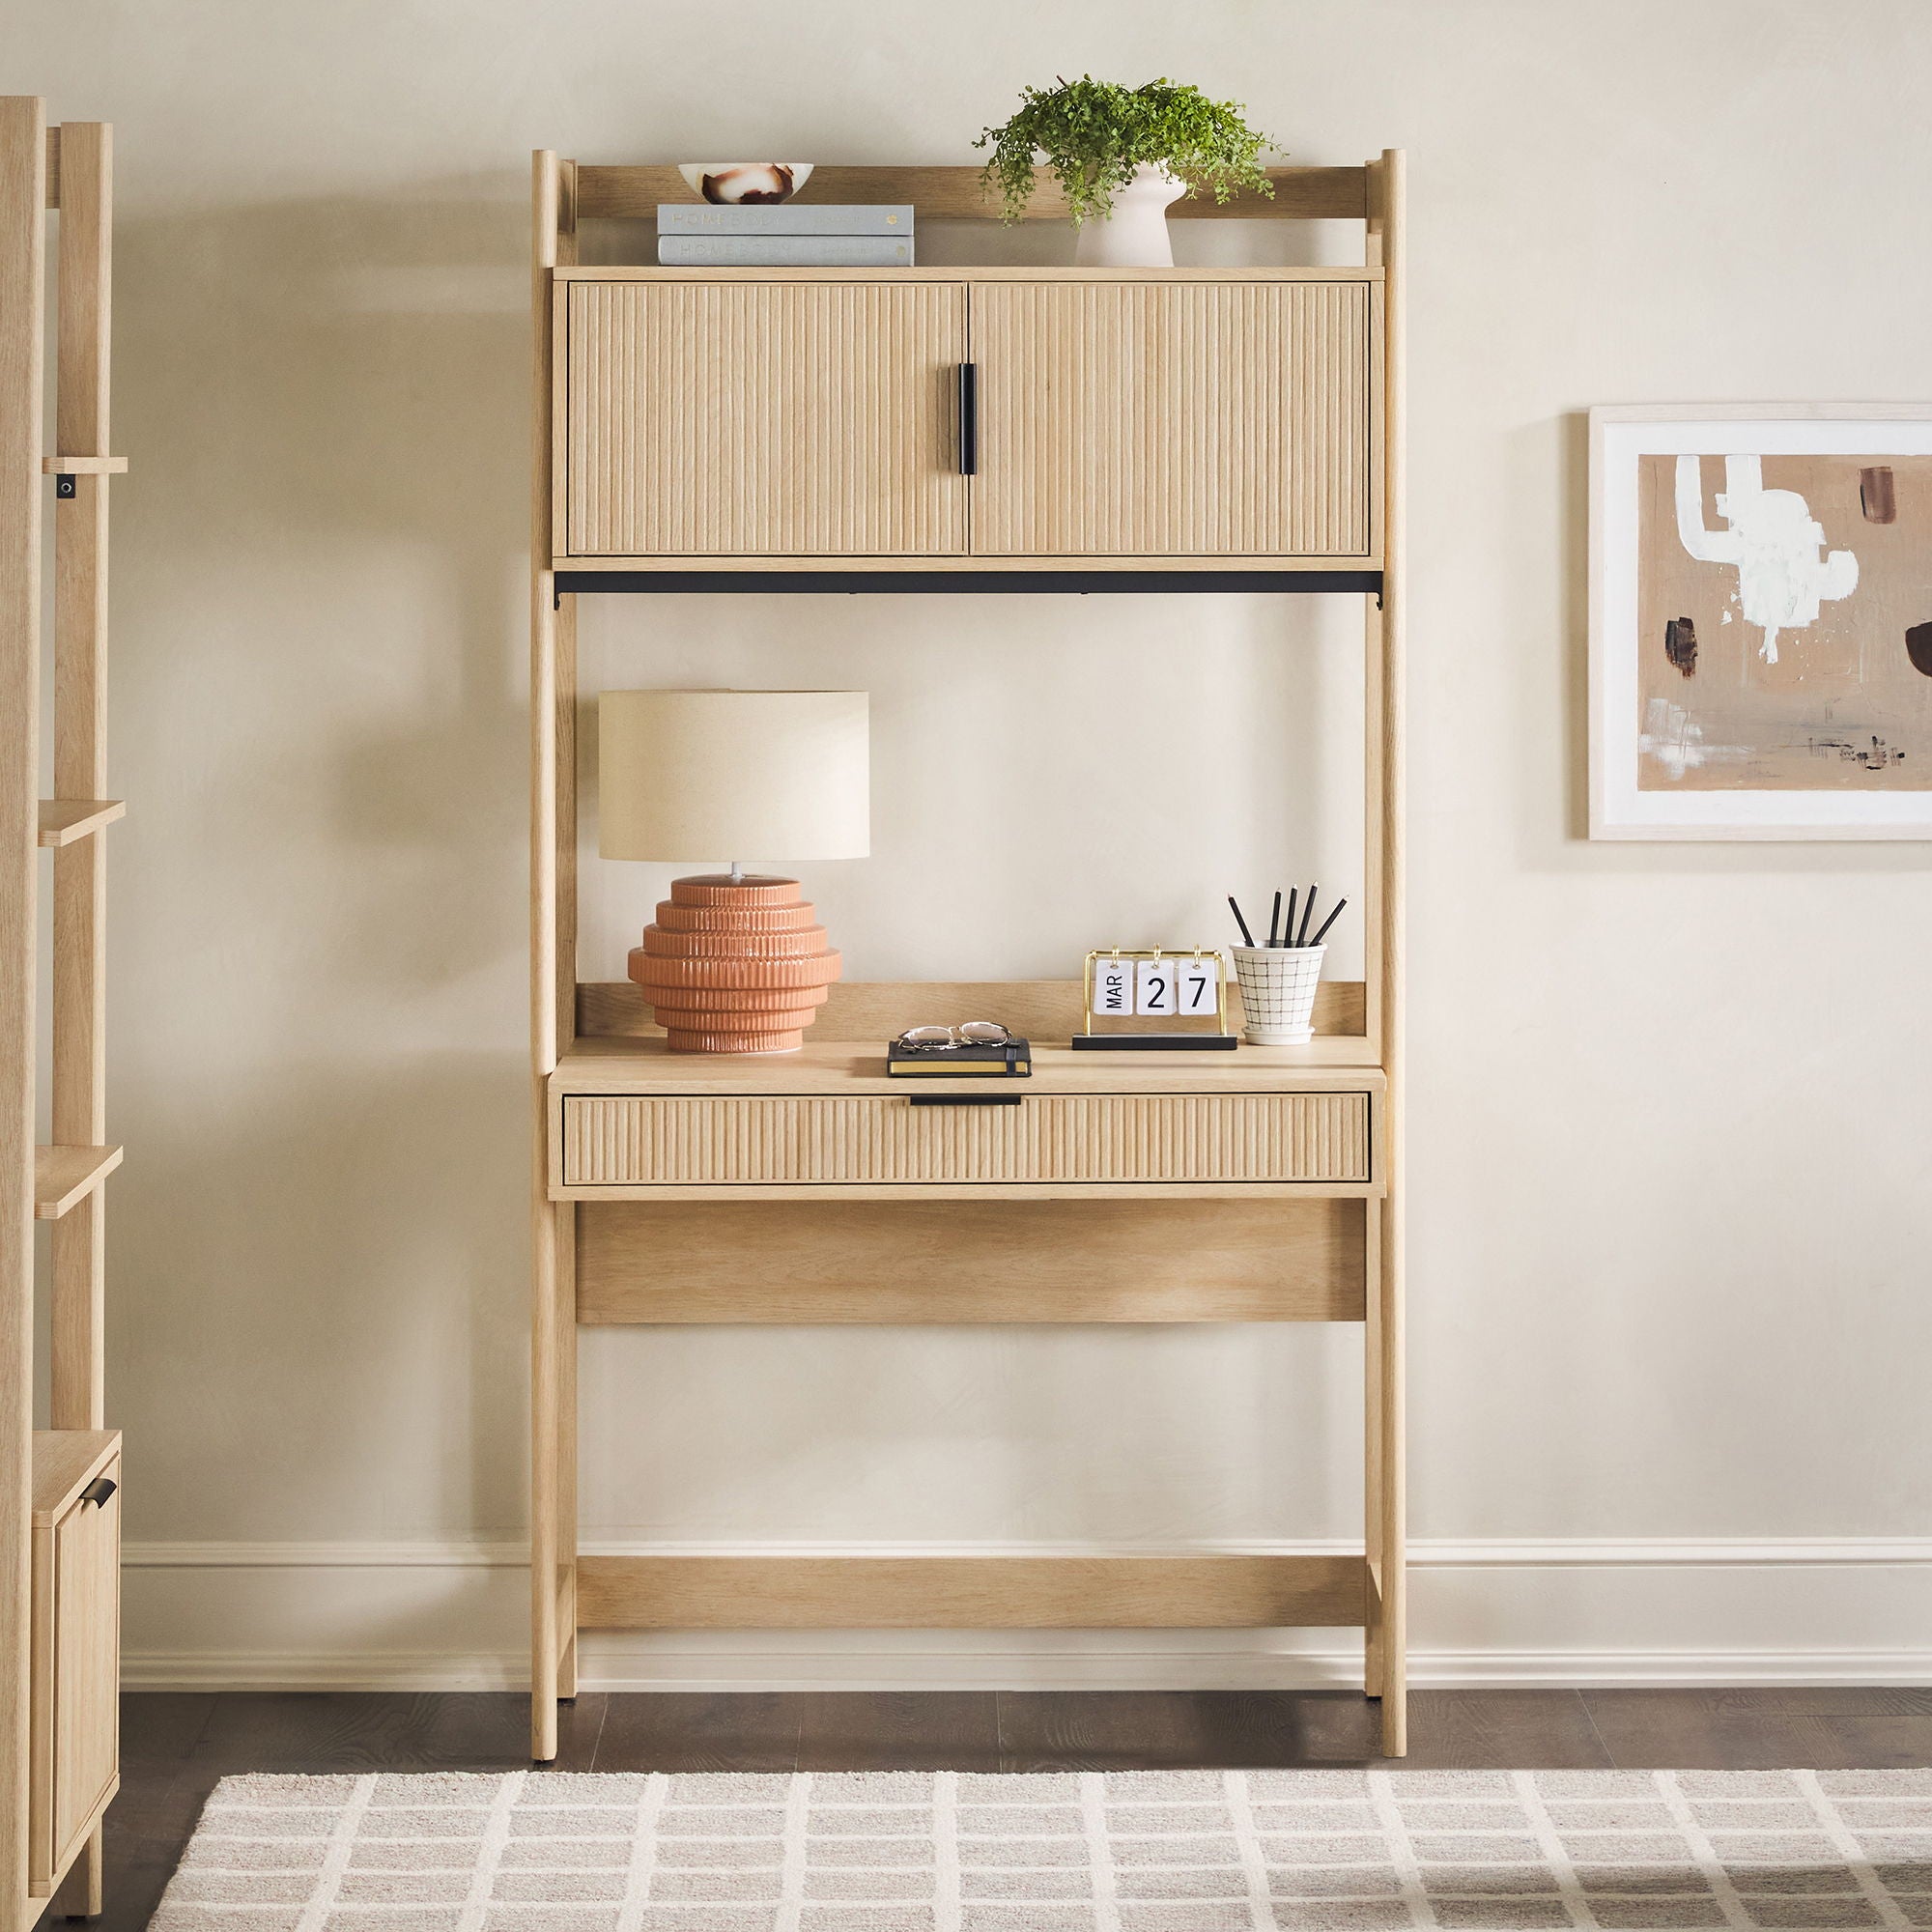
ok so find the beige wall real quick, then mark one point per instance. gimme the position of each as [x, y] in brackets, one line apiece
[1669, 1105]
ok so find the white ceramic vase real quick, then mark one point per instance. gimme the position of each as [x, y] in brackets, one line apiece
[1135, 234]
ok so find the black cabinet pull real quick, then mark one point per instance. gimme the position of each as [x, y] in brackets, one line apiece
[99, 1489]
[969, 419]
[965, 1099]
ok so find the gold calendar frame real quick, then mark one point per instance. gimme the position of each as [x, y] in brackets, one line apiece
[1154, 953]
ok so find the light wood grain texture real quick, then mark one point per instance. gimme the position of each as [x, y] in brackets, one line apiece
[78, 1367]
[1389, 1354]
[1301, 411]
[973, 1261]
[761, 419]
[877, 1010]
[964, 274]
[33, 1774]
[23, 190]
[81, 1895]
[1218, 1592]
[79, 989]
[65, 1462]
[1172, 418]
[753, 1139]
[77, 1627]
[77, 1391]
[549, 774]
[87, 1664]
[941, 193]
[75, 1647]
[84, 466]
[64, 1177]
[1327, 1062]
[63, 820]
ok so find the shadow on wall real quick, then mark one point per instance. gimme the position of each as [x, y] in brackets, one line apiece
[317, 1009]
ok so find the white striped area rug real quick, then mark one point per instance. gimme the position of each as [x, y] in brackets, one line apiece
[1156, 1850]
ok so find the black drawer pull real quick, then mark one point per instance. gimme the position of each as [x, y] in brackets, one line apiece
[965, 1099]
[99, 1489]
[969, 419]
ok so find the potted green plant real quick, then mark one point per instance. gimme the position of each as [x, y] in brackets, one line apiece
[1122, 154]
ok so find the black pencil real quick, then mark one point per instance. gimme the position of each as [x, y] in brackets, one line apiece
[1328, 921]
[1307, 912]
[1247, 937]
[1274, 917]
[1288, 932]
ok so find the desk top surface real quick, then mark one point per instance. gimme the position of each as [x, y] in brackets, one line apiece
[1331, 1063]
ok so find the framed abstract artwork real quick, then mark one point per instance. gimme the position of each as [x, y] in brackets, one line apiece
[1761, 622]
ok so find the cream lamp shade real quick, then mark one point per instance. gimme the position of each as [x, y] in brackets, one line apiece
[691, 775]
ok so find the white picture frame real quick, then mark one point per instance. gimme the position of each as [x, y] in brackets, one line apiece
[1619, 808]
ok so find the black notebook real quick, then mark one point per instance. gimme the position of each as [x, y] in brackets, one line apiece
[1010, 1060]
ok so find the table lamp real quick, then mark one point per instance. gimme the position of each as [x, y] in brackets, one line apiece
[734, 962]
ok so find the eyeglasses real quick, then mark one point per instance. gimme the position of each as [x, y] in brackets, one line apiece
[937, 1039]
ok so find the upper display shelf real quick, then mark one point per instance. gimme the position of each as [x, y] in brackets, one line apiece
[1212, 427]
[956, 194]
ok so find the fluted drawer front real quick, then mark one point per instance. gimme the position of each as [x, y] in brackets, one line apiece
[1173, 420]
[786, 419]
[633, 1140]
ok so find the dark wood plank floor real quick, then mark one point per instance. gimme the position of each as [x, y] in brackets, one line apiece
[173, 1748]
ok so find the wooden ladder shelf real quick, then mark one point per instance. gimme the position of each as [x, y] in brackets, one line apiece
[59, 1546]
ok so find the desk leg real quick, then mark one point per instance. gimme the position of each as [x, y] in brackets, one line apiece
[1386, 1662]
[79, 1895]
[548, 1473]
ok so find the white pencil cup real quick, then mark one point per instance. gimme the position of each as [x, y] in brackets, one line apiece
[1278, 985]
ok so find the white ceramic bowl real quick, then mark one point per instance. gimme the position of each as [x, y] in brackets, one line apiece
[735, 181]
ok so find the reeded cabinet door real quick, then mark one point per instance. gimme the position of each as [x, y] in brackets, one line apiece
[763, 419]
[1173, 420]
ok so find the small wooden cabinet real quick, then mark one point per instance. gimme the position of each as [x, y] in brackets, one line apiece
[943, 418]
[741, 418]
[76, 1645]
[1171, 419]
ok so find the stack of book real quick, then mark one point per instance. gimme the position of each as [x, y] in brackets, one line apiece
[826, 235]
[1010, 1060]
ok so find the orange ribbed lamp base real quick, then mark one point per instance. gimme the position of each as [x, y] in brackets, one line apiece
[734, 965]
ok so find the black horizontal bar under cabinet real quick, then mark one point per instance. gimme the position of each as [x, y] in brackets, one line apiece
[954, 583]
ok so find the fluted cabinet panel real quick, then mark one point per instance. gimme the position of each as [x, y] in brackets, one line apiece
[676, 1141]
[779, 419]
[1173, 420]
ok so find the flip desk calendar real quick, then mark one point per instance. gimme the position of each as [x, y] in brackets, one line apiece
[1128, 988]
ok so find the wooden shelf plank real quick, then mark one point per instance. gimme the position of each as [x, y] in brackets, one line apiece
[65, 1462]
[63, 820]
[942, 194]
[639, 1066]
[65, 1174]
[83, 465]
[973, 1261]
[1192, 1592]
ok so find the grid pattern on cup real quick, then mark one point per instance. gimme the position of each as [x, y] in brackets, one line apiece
[1278, 985]
[1175, 1851]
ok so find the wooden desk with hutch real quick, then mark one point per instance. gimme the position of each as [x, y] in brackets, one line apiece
[801, 430]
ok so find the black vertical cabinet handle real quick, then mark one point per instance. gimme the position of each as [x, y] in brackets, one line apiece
[969, 419]
[99, 1490]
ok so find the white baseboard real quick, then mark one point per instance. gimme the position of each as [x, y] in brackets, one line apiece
[1514, 1611]
[773, 1670]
